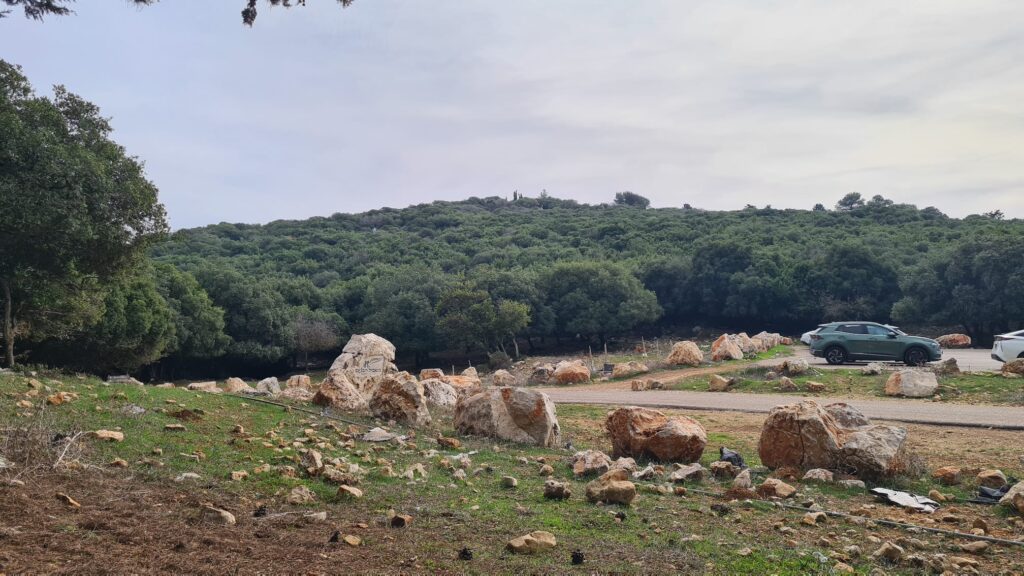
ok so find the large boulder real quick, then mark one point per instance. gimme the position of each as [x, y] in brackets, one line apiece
[237, 386]
[876, 452]
[1014, 368]
[542, 373]
[806, 436]
[366, 360]
[746, 344]
[431, 373]
[954, 341]
[770, 340]
[725, 348]
[515, 414]
[626, 369]
[643, 432]
[337, 392]
[912, 384]
[209, 387]
[801, 435]
[268, 387]
[685, 353]
[503, 378]
[571, 372]
[440, 394]
[847, 416]
[297, 393]
[299, 381]
[400, 397]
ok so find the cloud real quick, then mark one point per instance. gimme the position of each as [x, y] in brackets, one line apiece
[718, 104]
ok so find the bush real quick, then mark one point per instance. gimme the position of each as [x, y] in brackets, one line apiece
[499, 360]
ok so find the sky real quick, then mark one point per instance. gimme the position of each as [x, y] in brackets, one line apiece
[718, 104]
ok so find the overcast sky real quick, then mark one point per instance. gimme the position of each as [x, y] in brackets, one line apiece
[719, 104]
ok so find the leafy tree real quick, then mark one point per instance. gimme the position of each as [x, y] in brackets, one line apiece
[38, 9]
[400, 305]
[597, 299]
[198, 323]
[819, 207]
[851, 201]
[74, 204]
[316, 331]
[631, 199]
[994, 215]
[973, 286]
[466, 317]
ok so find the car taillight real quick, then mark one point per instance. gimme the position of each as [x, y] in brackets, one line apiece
[1000, 338]
[815, 336]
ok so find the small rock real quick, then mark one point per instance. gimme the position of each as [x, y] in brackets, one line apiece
[843, 568]
[555, 490]
[316, 516]
[401, 521]
[346, 491]
[109, 435]
[991, 478]
[775, 488]
[118, 463]
[187, 476]
[300, 495]
[509, 482]
[977, 547]
[687, 473]
[723, 470]
[813, 518]
[532, 543]
[175, 427]
[546, 470]
[818, 475]
[612, 488]
[238, 475]
[947, 475]
[743, 481]
[889, 552]
[852, 484]
[936, 495]
[68, 500]
[218, 515]
[352, 540]
[816, 387]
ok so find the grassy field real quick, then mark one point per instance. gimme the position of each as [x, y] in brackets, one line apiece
[979, 388]
[663, 533]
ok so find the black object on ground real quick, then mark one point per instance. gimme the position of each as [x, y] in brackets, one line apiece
[465, 554]
[993, 495]
[734, 458]
[260, 512]
[577, 557]
[334, 537]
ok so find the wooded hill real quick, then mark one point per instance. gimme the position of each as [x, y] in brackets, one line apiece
[470, 275]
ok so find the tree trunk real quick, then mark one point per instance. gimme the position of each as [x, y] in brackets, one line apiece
[515, 345]
[8, 325]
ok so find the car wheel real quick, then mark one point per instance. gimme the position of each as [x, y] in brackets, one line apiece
[835, 355]
[1021, 355]
[915, 357]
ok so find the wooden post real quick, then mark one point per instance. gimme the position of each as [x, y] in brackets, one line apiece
[590, 353]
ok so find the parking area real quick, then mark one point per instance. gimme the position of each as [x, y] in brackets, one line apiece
[971, 359]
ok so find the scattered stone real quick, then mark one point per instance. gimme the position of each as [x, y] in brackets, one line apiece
[719, 383]
[613, 487]
[555, 490]
[346, 491]
[991, 478]
[627, 369]
[793, 367]
[61, 398]
[889, 552]
[504, 378]
[687, 473]
[118, 463]
[843, 568]
[315, 516]
[218, 515]
[514, 414]
[532, 543]
[852, 484]
[872, 369]
[208, 387]
[300, 495]
[187, 476]
[685, 353]
[109, 435]
[238, 475]
[723, 470]
[546, 470]
[911, 384]
[947, 367]
[1013, 368]
[818, 475]
[724, 348]
[571, 372]
[816, 387]
[775, 488]
[814, 518]
[68, 500]
[378, 435]
[643, 432]
[352, 540]
[237, 386]
[976, 547]
[954, 341]
[509, 482]
[590, 463]
[787, 385]
[450, 443]
[947, 475]
[297, 394]
[743, 481]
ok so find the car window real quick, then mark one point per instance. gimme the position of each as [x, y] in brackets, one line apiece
[878, 331]
[852, 329]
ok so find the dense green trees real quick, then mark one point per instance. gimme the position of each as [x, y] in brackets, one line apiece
[77, 210]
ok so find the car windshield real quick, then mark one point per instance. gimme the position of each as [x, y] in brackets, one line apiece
[896, 330]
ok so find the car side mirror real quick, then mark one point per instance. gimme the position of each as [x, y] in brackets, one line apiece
[892, 336]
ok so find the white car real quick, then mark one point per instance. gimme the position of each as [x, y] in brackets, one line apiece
[806, 338]
[1009, 346]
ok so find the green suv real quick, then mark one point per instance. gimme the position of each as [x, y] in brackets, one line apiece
[841, 342]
